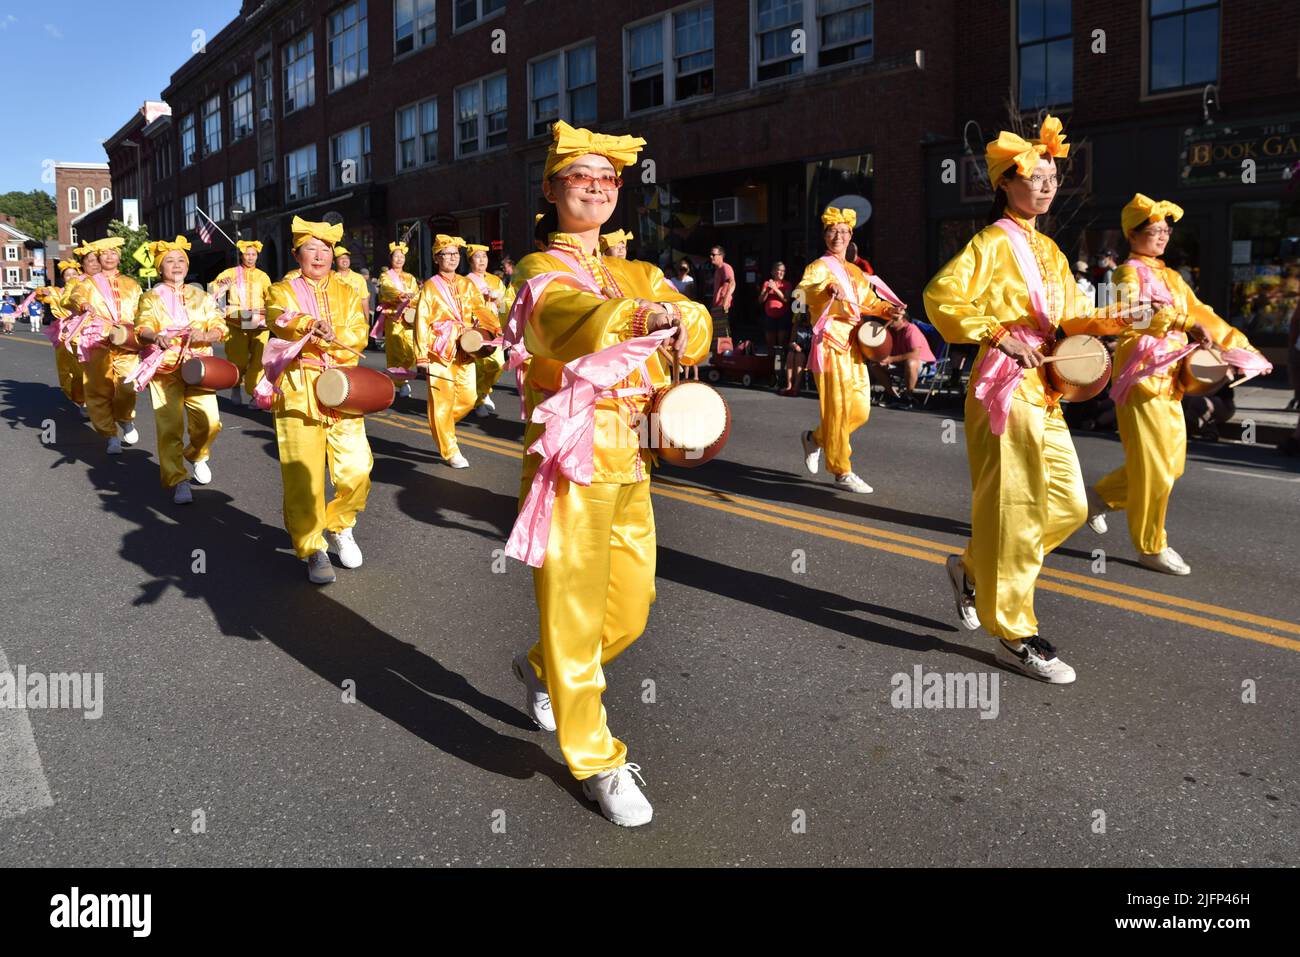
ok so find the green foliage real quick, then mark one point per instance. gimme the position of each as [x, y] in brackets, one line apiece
[34, 211]
[135, 238]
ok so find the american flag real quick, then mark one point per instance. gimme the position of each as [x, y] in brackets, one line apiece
[205, 229]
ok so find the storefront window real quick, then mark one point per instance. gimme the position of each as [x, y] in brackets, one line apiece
[1265, 270]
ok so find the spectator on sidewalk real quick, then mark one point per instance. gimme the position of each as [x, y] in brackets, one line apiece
[774, 298]
[910, 350]
[684, 282]
[7, 311]
[724, 291]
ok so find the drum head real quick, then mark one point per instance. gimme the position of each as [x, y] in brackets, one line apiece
[471, 340]
[332, 388]
[192, 371]
[1087, 360]
[871, 334]
[118, 335]
[692, 415]
[1205, 367]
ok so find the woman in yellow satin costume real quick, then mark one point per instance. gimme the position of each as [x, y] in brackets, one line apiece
[183, 321]
[448, 305]
[311, 438]
[1027, 493]
[111, 299]
[596, 584]
[398, 291]
[1150, 417]
[842, 376]
[615, 243]
[245, 287]
[487, 369]
[343, 269]
[58, 301]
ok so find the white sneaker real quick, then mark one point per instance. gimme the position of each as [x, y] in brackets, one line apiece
[619, 797]
[1167, 561]
[537, 702]
[812, 452]
[202, 472]
[346, 546]
[457, 461]
[483, 411]
[319, 569]
[237, 395]
[129, 434]
[405, 391]
[962, 593]
[114, 446]
[1037, 658]
[489, 404]
[1097, 509]
[851, 483]
[183, 494]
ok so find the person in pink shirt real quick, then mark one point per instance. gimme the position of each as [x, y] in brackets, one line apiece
[724, 289]
[910, 351]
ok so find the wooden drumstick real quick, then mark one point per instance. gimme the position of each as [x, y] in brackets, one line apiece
[1082, 355]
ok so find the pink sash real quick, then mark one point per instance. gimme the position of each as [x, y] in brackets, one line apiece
[278, 353]
[377, 330]
[1147, 358]
[1029, 272]
[842, 277]
[999, 376]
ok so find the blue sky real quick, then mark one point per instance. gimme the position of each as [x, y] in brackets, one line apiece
[104, 58]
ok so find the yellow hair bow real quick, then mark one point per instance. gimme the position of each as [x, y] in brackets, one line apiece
[1011, 150]
[398, 247]
[833, 217]
[1143, 209]
[568, 144]
[609, 240]
[162, 247]
[249, 244]
[65, 264]
[473, 248]
[442, 241]
[341, 251]
[303, 230]
[99, 245]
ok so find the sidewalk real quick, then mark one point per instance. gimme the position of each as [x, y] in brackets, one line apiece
[1263, 401]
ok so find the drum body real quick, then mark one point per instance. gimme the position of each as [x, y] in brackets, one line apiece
[355, 390]
[1082, 368]
[210, 372]
[123, 337]
[471, 344]
[690, 423]
[874, 341]
[1202, 373]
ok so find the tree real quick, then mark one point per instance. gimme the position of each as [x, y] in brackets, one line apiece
[135, 238]
[34, 212]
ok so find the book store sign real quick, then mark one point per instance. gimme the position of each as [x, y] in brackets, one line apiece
[1214, 155]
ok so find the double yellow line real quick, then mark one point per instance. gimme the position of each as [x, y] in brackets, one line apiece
[1187, 611]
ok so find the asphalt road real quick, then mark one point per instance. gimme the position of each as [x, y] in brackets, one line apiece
[759, 703]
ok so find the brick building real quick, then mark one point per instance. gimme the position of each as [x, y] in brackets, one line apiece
[22, 259]
[78, 189]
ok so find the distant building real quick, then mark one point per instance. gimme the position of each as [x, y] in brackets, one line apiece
[22, 260]
[78, 189]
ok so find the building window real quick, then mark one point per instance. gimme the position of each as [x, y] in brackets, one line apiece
[844, 30]
[680, 43]
[1046, 53]
[574, 100]
[1184, 43]
[299, 74]
[264, 92]
[300, 174]
[212, 124]
[349, 55]
[11, 253]
[417, 135]
[414, 25]
[74, 200]
[188, 143]
[471, 11]
[350, 157]
[244, 190]
[13, 277]
[105, 195]
[645, 66]
[774, 26]
[72, 237]
[241, 108]
[216, 197]
[481, 116]
[90, 199]
[693, 52]
[191, 212]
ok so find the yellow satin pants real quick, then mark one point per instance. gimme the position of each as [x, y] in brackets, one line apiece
[487, 371]
[1027, 497]
[109, 400]
[452, 395]
[399, 344]
[72, 378]
[175, 405]
[1155, 453]
[244, 348]
[307, 449]
[844, 394]
[594, 593]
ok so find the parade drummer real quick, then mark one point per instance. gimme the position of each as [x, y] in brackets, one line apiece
[395, 317]
[245, 288]
[488, 368]
[58, 299]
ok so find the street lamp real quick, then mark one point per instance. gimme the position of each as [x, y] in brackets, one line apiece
[237, 213]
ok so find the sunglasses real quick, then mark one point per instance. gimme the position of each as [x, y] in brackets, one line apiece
[605, 182]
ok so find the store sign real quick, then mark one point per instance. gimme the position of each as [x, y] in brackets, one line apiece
[1214, 155]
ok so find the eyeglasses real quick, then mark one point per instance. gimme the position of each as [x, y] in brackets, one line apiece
[1040, 182]
[606, 182]
[1159, 231]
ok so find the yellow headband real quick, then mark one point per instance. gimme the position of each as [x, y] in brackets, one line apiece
[65, 264]
[99, 245]
[398, 248]
[569, 144]
[442, 241]
[473, 248]
[1009, 149]
[833, 217]
[609, 240]
[303, 231]
[249, 244]
[1143, 209]
[341, 251]
[162, 247]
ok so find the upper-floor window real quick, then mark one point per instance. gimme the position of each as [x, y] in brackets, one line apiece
[72, 237]
[299, 73]
[216, 196]
[191, 212]
[844, 31]
[189, 145]
[300, 173]
[90, 198]
[74, 200]
[562, 86]
[417, 135]
[11, 253]
[670, 58]
[212, 124]
[414, 25]
[244, 191]
[241, 107]
[481, 115]
[791, 37]
[777, 51]
[105, 195]
[1046, 53]
[349, 55]
[1184, 43]
[465, 12]
[350, 157]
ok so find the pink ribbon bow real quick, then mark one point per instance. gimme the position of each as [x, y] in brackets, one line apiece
[1145, 360]
[152, 359]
